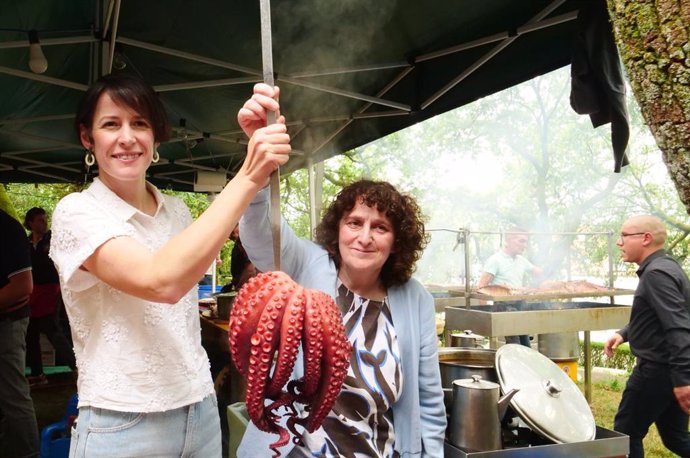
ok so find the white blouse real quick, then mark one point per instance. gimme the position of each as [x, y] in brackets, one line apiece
[133, 355]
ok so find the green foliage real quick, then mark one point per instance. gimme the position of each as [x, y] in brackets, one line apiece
[622, 359]
[197, 204]
[25, 196]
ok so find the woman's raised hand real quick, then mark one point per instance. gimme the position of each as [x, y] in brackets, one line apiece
[252, 115]
[269, 148]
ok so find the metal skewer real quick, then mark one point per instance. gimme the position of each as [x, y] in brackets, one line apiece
[267, 60]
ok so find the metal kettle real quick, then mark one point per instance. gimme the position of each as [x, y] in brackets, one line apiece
[475, 420]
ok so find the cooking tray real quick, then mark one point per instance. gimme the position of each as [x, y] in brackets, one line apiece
[606, 443]
[541, 296]
[514, 318]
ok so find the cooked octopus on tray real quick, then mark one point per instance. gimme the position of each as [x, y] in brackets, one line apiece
[554, 287]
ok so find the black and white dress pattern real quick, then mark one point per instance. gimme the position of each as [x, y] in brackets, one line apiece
[360, 425]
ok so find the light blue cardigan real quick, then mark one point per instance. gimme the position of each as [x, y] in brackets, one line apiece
[419, 415]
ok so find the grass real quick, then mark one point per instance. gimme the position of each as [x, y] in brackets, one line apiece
[605, 399]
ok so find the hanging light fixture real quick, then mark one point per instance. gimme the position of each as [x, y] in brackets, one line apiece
[37, 60]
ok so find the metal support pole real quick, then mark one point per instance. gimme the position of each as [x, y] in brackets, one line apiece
[466, 235]
[588, 368]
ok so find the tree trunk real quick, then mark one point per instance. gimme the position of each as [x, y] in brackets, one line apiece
[652, 38]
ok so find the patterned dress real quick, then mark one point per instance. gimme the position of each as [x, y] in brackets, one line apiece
[360, 425]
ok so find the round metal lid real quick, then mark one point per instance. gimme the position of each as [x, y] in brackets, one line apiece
[548, 401]
[476, 382]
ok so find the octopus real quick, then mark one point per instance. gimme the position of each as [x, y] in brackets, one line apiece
[271, 318]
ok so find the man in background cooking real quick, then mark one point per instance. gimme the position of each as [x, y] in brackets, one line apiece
[658, 390]
[508, 267]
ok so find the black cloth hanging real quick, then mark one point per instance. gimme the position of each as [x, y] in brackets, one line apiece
[597, 84]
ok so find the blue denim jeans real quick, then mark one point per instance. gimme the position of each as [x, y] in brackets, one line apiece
[190, 431]
[18, 430]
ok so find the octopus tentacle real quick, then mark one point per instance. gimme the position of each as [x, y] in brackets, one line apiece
[334, 363]
[290, 336]
[270, 317]
[245, 315]
[265, 341]
[313, 352]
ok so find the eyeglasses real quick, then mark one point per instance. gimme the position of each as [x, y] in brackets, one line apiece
[624, 235]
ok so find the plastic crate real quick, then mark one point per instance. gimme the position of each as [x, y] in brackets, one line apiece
[206, 290]
[55, 438]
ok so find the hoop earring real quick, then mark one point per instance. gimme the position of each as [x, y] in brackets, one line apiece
[89, 158]
[156, 156]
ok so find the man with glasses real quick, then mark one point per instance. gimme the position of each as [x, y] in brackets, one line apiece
[658, 390]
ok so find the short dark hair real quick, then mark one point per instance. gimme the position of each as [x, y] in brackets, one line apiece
[410, 239]
[130, 91]
[31, 214]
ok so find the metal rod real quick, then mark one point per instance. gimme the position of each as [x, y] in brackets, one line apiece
[43, 79]
[108, 15]
[187, 55]
[267, 61]
[588, 367]
[205, 84]
[49, 42]
[344, 93]
[113, 36]
[462, 47]
[341, 71]
[498, 37]
[345, 117]
[528, 232]
[610, 247]
[466, 235]
[489, 55]
[399, 77]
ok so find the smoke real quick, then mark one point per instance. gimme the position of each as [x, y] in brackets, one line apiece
[314, 36]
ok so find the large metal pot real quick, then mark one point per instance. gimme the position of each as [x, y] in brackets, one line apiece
[559, 346]
[462, 363]
[458, 363]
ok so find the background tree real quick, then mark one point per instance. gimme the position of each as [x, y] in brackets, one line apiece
[652, 37]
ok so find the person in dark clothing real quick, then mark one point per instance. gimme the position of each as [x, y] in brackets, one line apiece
[241, 268]
[18, 428]
[658, 390]
[44, 300]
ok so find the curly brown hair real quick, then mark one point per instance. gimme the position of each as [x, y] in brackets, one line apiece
[410, 239]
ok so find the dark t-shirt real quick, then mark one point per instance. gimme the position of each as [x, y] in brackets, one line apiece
[238, 261]
[43, 269]
[15, 251]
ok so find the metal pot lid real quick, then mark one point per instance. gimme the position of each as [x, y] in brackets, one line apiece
[548, 401]
[468, 334]
[476, 382]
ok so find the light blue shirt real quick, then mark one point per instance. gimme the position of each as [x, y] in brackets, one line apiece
[507, 270]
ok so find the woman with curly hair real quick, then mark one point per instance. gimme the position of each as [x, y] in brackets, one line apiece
[391, 403]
